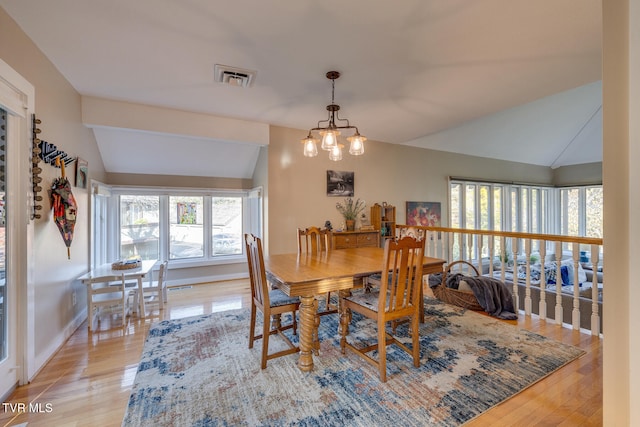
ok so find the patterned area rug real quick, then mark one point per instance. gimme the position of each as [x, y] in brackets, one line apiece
[198, 371]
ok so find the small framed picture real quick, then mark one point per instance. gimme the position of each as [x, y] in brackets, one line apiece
[340, 184]
[82, 170]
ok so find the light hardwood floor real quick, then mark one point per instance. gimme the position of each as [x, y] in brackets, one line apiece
[87, 383]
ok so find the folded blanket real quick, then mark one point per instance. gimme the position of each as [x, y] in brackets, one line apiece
[492, 295]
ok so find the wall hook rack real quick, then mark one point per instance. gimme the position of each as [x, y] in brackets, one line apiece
[36, 179]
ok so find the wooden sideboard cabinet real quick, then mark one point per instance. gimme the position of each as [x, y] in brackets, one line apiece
[355, 239]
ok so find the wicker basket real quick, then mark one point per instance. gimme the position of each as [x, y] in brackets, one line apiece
[125, 265]
[453, 296]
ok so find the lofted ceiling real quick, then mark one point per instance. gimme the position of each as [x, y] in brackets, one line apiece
[428, 73]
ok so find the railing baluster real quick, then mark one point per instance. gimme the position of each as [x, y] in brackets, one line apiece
[514, 256]
[470, 248]
[428, 244]
[559, 314]
[575, 314]
[480, 248]
[451, 241]
[542, 308]
[527, 287]
[503, 256]
[491, 254]
[595, 316]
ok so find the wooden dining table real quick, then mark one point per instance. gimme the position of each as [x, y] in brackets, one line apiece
[307, 275]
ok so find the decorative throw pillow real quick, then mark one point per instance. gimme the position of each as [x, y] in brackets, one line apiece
[522, 272]
[550, 274]
[568, 273]
[535, 273]
[582, 275]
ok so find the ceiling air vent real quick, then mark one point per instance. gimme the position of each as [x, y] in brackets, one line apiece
[233, 76]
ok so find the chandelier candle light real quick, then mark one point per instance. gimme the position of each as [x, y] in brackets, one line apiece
[331, 131]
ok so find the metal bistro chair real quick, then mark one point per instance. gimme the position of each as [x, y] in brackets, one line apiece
[397, 298]
[270, 302]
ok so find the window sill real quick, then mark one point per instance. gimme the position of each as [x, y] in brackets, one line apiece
[190, 263]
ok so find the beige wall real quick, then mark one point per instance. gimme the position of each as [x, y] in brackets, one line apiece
[585, 174]
[391, 173]
[178, 181]
[261, 179]
[58, 106]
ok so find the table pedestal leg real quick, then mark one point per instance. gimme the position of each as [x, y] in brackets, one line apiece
[308, 313]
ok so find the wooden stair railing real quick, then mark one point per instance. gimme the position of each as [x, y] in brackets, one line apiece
[482, 247]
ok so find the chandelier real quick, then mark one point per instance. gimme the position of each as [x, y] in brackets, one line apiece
[331, 131]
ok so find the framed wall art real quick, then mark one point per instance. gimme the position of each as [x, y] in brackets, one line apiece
[82, 169]
[424, 214]
[340, 184]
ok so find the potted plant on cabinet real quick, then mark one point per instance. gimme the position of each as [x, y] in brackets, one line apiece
[350, 210]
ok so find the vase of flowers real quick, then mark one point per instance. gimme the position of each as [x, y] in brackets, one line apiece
[350, 209]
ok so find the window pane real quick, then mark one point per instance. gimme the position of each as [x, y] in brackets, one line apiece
[514, 209]
[185, 227]
[594, 212]
[455, 206]
[524, 210]
[545, 225]
[139, 221]
[484, 207]
[570, 212]
[535, 210]
[470, 201]
[226, 214]
[497, 208]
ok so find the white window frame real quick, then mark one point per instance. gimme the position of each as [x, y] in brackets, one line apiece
[550, 212]
[248, 222]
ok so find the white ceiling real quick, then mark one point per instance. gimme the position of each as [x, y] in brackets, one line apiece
[524, 74]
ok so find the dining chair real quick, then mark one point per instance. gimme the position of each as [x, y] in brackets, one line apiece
[315, 241]
[154, 291]
[401, 231]
[397, 298]
[270, 302]
[107, 295]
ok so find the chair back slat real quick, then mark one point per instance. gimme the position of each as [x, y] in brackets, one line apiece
[313, 240]
[257, 273]
[402, 277]
[162, 273]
